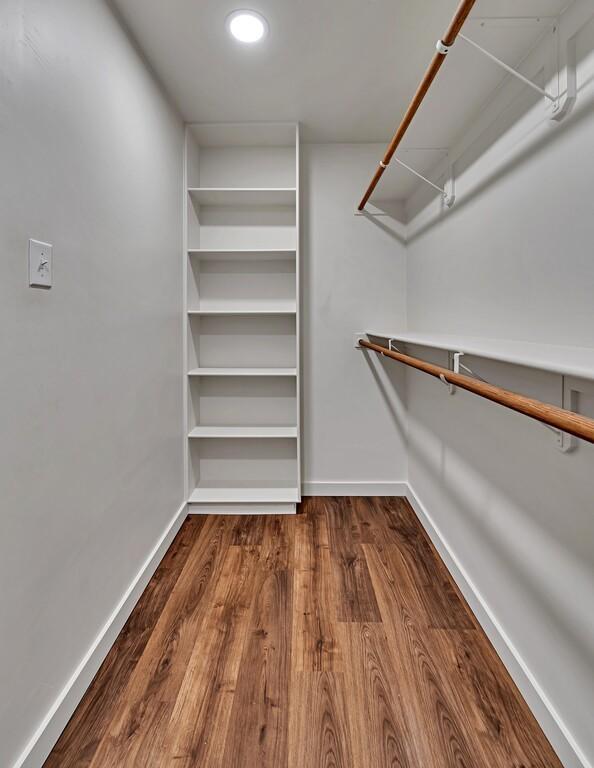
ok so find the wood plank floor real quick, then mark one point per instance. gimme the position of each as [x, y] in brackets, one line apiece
[332, 639]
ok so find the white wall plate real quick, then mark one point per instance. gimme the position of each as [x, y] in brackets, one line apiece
[40, 264]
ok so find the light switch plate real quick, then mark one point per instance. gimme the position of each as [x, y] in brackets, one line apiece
[40, 264]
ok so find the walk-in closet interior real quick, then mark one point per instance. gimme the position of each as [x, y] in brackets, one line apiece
[297, 384]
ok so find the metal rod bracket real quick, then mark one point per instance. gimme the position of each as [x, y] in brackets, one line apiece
[562, 76]
[454, 366]
[569, 396]
[357, 338]
[508, 69]
[447, 191]
[442, 48]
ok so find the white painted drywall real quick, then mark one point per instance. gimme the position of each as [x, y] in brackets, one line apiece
[90, 375]
[353, 276]
[515, 259]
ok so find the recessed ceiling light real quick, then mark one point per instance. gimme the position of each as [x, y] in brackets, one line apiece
[247, 26]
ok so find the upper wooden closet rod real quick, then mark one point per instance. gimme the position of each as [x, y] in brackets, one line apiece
[566, 421]
[443, 46]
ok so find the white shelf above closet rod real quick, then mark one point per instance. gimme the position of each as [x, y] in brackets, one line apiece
[555, 358]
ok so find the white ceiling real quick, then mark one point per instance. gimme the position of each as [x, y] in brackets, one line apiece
[345, 69]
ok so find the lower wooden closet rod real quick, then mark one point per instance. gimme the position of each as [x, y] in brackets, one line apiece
[566, 421]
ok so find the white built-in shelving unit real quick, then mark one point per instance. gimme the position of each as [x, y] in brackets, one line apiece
[241, 267]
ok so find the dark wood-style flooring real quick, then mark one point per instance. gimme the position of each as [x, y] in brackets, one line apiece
[332, 639]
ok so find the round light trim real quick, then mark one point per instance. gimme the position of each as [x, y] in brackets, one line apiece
[247, 26]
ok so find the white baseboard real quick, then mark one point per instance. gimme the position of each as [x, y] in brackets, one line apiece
[48, 732]
[360, 488]
[242, 509]
[548, 718]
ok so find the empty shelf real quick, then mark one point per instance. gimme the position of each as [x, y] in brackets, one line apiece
[243, 372]
[200, 432]
[244, 495]
[566, 360]
[237, 196]
[259, 254]
[269, 308]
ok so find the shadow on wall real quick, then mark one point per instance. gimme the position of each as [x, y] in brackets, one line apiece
[391, 382]
[389, 218]
[508, 166]
[488, 447]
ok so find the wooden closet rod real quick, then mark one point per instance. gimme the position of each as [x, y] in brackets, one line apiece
[566, 421]
[443, 45]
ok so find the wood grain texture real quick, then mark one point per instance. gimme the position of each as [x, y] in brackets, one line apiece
[333, 639]
[315, 643]
[353, 589]
[259, 732]
[200, 718]
[320, 734]
[379, 723]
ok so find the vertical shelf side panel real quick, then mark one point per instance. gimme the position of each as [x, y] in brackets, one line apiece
[298, 299]
[184, 319]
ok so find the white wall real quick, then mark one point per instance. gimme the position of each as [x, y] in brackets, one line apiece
[353, 276]
[515, 259]
[90, 372]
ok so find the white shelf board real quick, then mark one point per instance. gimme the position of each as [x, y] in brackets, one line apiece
[244, 495]
[565, 360]
[237, 196]
[243, 432]
[257, 254]
[243, 372]
[264, 308]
